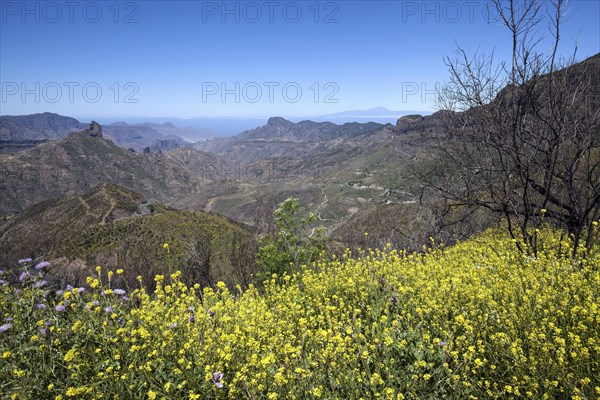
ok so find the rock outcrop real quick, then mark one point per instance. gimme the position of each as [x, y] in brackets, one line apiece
[416, 123]
[95, 130]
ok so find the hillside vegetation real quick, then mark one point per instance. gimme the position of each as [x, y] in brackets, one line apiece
[476, 320]
[116, 227]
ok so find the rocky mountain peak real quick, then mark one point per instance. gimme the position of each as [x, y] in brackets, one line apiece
[278, 121]
[95, 130]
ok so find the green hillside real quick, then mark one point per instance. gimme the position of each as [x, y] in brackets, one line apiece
[116, 227]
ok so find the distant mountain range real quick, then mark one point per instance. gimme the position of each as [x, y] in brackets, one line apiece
[278, 128]
[105, 219]
[203, 128]
[24, 131]
[282, 138]
[44, 126]
[81, 161]
[226, 175]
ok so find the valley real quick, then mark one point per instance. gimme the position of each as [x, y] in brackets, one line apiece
[341, 172]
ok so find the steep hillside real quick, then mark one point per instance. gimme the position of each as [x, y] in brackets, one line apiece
[37, 126]
[18, 132]
[80, 162]
[40, 228]
[114, 226]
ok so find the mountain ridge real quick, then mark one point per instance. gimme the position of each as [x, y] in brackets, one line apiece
[19, 132]
[80, 162]
[283, 138]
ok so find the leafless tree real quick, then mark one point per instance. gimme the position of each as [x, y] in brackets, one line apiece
[133, 256]
[197, 266]
[242, 257]
[522, 137]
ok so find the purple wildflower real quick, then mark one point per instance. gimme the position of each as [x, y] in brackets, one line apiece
[108, 309]
[69, 288]
[42, 265]
[60, 308]
[2, 282]
[119, 292]
[5, 327]
[59, 292]
[443, 343]
[43, 331]
[191, 318]
[216, 379]
[9, 319]
[124, 298]
[25, 260]
[211, 313]
[80, 289]
[23, 276]
[39, 284]
[40, 306]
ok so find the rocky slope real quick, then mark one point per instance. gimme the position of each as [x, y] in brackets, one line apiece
[81, 161]
[37, 126]
[19, 132]
[24, 131]
[282, 138]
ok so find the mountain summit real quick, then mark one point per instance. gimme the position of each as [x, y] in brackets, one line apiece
[279, 121]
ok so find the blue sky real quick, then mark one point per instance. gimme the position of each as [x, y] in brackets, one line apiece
[264, 58]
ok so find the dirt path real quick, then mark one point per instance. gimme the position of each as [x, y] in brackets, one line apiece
[210, 203]
[84, 203]
[323, 203]
[107, 213]
[113, 203]
[318, 211]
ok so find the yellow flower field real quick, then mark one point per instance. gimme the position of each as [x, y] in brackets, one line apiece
[476, 320]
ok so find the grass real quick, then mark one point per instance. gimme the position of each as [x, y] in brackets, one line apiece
[476, 320]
